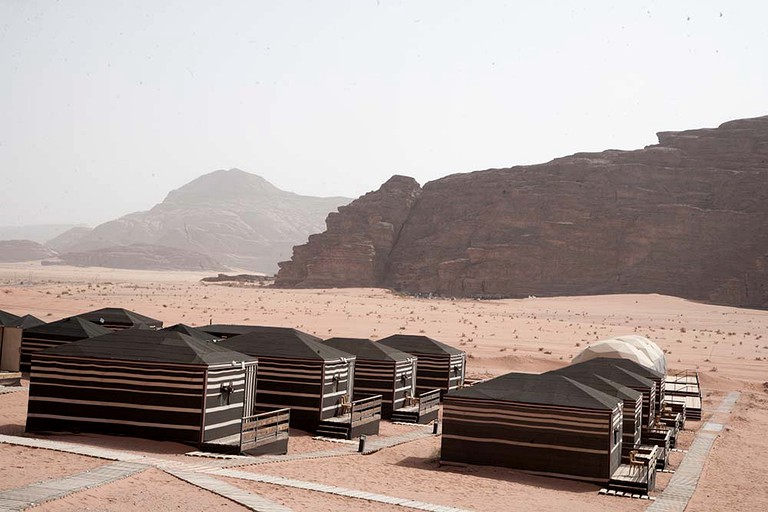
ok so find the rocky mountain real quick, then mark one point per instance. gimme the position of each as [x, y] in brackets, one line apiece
[68, 239]
[39, 233]
[685, 217]
[139, 257]
[237, 218]
[23, 250]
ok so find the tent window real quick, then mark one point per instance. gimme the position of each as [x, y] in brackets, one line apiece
[615, 436]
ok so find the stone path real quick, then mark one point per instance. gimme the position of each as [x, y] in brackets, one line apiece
[683, 484]
[11, 389]
[245, 498]
[331, 489]
[199, 472]
[40, 492]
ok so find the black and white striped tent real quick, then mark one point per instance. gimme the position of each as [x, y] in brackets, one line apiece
[143, 383]
[649, 373]
[439, 366]
[632, 400]
[54, 334]
[297, 370]
[380, 370]
[544, 424]
[11, 331]
[608, 368]
[119, 318]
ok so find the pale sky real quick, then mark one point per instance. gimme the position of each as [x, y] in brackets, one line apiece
[105, 106]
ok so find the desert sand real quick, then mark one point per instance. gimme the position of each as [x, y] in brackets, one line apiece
[726, 344]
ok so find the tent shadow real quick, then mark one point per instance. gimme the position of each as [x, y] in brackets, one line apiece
[500, 474]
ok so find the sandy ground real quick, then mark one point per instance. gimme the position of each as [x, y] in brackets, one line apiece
[726, 344]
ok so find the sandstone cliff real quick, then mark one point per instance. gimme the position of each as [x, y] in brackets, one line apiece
[687, 217]
[139, 257]
[23, 250]
[237, 218]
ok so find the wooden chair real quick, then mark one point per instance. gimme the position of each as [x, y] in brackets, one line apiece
[634, 462]
[346, 405]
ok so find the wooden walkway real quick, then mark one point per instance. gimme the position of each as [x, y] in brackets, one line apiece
[30, 495]
[683, 484]
[201, 472]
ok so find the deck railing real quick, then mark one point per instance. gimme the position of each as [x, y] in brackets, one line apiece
[366, 409]
[263, 428]
[429, 401]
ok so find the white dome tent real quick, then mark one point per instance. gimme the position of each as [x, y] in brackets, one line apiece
[614, 349]
[649, 348]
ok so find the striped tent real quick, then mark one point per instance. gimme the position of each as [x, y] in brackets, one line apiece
[11, 332]
[545, 424]
[299, 371]
[439, 366]
[142, 383]
[119, 318]
[656, 376]
[380, 370]
[632, 410]
[54, 334]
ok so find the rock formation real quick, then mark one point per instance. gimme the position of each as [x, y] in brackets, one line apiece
[69, 239]
[354, 250]
[235, 217]
[686, 217]
[23, 250]
[139, 257]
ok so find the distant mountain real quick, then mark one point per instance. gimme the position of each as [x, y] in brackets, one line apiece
[68, 239]
[39, 233]
[23, 250]
[237, 218]
[139, 257]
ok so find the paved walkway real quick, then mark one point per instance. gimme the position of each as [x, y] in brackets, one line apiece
[683, 484]
[40, 492]
[11, 389]
[199, 472]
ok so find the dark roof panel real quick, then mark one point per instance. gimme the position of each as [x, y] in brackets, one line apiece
[539, 389]
[7, 318]
[365, 349]
[283, 342]
[27, 322]
[607, 368]
[415, 344]
[71, 328]
[119, 316]
[191, 331]
[151, 346]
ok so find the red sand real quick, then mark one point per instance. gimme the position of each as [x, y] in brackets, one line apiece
[532, 335]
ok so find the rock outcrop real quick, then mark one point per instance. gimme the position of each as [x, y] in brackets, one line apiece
[354, 250]
[236, 218]
[69, 239]
[687, 217]
[139, 257]
[23, 250]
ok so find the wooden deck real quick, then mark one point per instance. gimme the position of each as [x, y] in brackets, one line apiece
[637, 479]
[684, 387]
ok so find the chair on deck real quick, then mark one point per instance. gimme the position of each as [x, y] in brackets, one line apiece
[634, 462]
[345, 404]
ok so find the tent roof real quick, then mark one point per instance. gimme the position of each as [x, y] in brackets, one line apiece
[7, 318]
[283, 342]
[150, 346]
[26, 322]
[191, 331]
[119, 316]
[72, 327]
[590, 378]
[365, 349]
[540, 389]
[609, 368]
[227, 329]
[418, 344]
[648, 373]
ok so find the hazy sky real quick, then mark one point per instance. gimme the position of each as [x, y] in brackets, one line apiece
[105, 106]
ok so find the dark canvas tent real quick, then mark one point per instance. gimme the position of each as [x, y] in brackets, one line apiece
[143, 383]
[11, 332]
[315, 380]
[439, 366]
[633, 402]
[54, 334]
[649, 373]
[191, 331]
[386, 371]
[119, 318]
[545, 424]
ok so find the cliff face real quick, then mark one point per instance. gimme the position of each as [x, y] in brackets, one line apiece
[354, 250]
[23, 250]
[687, 217]
[139, 257]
